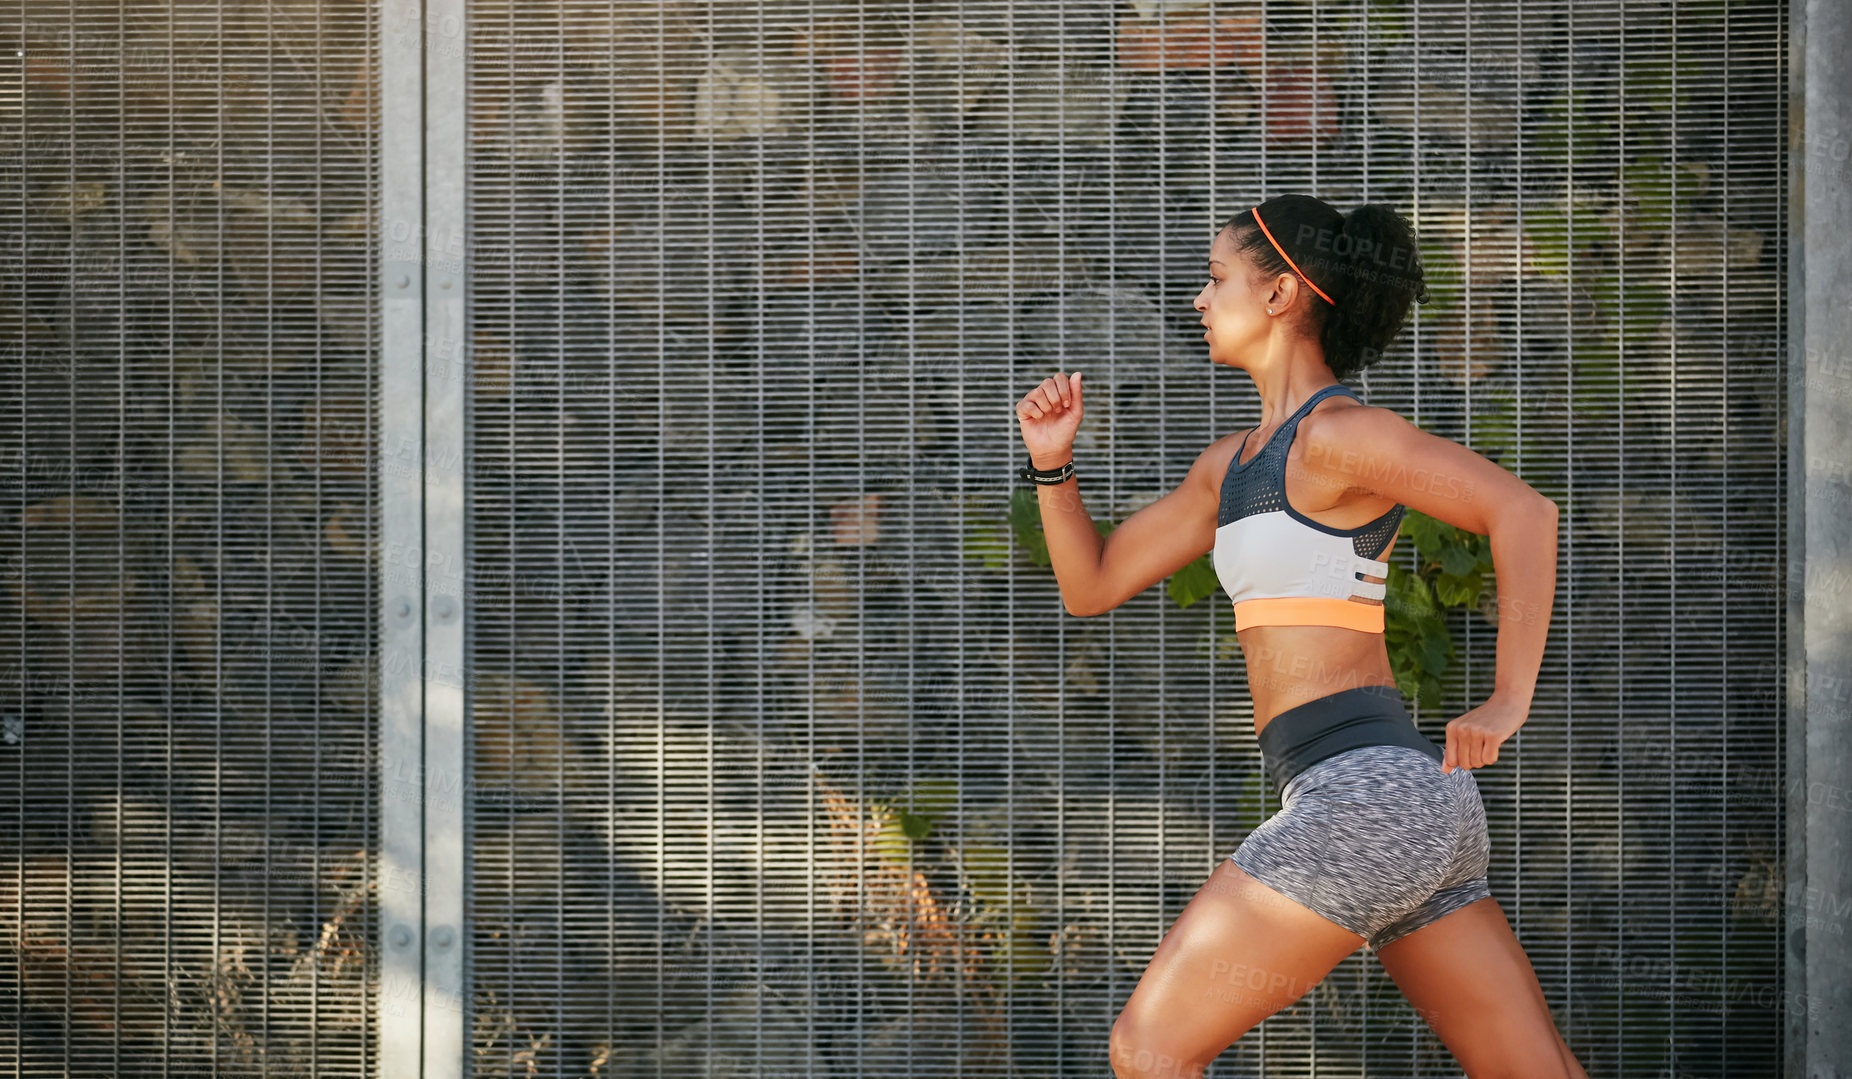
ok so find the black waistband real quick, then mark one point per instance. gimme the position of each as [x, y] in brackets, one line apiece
[1307, 733]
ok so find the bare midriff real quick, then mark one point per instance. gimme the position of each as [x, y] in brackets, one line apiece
[1290, 665]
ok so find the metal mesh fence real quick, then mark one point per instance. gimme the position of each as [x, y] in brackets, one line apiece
[782, 755]
[186, 414]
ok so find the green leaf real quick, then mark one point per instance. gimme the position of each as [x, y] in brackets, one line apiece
[1457, 560]
[1436, 654]
[933, 797]
[1646, 192]
[987, 869]
[987, 542]
[1193, 582]
[891, 841]
[1453, 591]
[1026, 522]
[914, 825]
[1452, 567]
[1430, 535]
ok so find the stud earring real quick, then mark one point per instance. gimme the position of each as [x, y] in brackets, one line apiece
[1270, 310]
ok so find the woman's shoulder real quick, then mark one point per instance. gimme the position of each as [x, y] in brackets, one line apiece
[1344, 415]
[1334, 438]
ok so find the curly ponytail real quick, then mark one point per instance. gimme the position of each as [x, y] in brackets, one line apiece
[1366, 261]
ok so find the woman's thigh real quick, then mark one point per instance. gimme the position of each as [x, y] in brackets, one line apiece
[1239, 952]
[1468, 976]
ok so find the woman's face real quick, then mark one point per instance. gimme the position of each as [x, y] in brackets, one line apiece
[1234, 311]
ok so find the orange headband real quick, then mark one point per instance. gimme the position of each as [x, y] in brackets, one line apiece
[1289, 259]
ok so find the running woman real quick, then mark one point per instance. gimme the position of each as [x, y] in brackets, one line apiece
[1381, 836]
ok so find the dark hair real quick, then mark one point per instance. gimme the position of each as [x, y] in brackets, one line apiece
[1366, 261]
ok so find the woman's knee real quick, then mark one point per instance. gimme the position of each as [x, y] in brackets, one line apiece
[1140, 1051]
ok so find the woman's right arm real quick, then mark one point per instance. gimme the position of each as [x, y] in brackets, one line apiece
[1098, 573]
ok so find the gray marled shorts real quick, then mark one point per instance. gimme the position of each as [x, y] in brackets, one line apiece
[1377, 839]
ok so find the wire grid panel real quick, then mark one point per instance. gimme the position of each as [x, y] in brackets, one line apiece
[188, 774]
[786, 759]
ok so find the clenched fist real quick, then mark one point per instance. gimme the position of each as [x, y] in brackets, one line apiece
[1050, 416]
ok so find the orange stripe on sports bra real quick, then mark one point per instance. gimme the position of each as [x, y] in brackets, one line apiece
[1309, 611]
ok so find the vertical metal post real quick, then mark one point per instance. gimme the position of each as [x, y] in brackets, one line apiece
[401, 479]
[424, 787]
[1794, 762]
[1819, 998]
[446, 382]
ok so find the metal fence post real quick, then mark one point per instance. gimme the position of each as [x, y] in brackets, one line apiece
[423, 996]
[446, 366]
[401, 628]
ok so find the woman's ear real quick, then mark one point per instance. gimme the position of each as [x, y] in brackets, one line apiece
[1285, 288]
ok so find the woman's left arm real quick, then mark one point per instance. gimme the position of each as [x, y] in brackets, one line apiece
[1377, 450]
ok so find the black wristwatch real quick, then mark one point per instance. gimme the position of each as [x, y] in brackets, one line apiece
[1048, 476]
